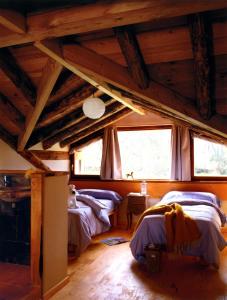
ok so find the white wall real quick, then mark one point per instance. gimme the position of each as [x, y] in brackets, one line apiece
[54, 165]
[11, 160]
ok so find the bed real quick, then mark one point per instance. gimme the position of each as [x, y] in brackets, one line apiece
[90, 216]
[204, 208]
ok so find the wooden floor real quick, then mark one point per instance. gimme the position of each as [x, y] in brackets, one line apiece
[110, 273]
[15, 283]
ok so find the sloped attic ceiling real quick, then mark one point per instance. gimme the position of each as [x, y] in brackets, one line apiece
[165, 56]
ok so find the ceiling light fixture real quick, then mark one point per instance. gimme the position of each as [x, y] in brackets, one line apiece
[93, 108]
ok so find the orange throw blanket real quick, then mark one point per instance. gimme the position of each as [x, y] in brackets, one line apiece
[181, 229]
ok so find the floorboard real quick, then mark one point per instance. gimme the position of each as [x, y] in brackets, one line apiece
[105, 272]
[15, 283]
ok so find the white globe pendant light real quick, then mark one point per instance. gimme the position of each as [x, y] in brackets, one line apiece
[93, 108]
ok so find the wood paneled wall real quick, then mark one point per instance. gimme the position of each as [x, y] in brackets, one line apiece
[156, 188]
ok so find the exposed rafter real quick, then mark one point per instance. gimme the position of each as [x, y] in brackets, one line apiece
[71, 84]
[87, 140]
[167, 100]
[52, 49]
[62, 107]
[57, 126]
[12, 113]
[100, 125]
[102, 15]
[13, 21]
[8, 138]
[133, 56]
[201, 39]
[49, 77]
[81, 126]
[19, 78]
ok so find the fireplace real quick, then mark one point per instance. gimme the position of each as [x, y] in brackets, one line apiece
[15, 231]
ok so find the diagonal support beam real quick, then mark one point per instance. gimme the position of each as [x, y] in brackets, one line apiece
[133, 56]
[52, 49]
[201, 39]
[50, 75]
[20, 79]
[103, 69]
[34, 160]
[13, 21]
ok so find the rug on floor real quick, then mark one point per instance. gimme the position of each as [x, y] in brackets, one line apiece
[114, 241]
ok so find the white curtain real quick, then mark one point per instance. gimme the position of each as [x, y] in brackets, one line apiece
[111, 158]
[181, 159]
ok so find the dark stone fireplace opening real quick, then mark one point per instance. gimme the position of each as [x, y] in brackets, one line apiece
[15, 231]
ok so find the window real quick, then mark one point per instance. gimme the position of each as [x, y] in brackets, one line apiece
[87, 160]
[210, 158]
[146, 153]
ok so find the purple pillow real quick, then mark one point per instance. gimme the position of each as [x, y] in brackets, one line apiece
[101, 194]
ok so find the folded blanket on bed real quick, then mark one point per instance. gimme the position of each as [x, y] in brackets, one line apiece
[181, 230]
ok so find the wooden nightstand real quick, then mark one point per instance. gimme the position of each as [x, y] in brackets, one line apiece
[137, 203]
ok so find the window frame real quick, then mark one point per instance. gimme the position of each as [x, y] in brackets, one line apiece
[74, 176]
[202, 178]
[145, 127]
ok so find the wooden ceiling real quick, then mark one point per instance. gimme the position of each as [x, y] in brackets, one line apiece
[169, 57]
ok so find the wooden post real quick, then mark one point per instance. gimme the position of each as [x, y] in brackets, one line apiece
[36, 221]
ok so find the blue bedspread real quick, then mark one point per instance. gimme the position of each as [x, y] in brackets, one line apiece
[209, 219]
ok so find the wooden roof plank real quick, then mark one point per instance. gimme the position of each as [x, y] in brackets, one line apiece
[103, 69]
[12, 113]
[20, 79]
[103, 15]
[8, 138]
[50, 75]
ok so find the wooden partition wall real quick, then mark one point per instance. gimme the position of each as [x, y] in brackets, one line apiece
[156, 188]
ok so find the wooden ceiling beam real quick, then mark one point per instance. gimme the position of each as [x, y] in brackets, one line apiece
[54, 128]
[72, 83]
[201, 39]
[103, 69]
[20, 79]
[133, 56]
[64, 106]
[12, 113]
[34, 160]
[45, 132]
[99, 125]
[81, 126]
[103, 15]
[87, 140]
[51, 155]
[8, 138]
[52, 49]
[49, 77]
[13, 21]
